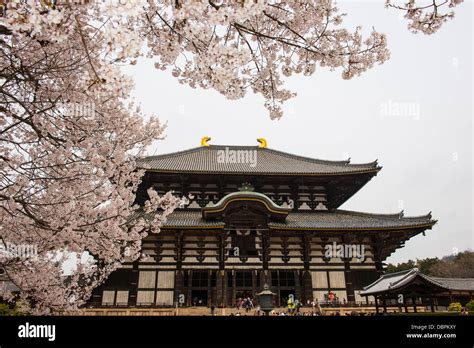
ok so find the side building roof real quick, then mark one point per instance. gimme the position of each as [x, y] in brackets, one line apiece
[393, 281]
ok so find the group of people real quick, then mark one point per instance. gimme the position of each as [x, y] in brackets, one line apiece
[294, 306]
[332, 299]
[246, 303]
[283, 313]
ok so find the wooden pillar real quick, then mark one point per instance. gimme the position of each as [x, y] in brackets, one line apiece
[405, 304]
[226, 295]
[266, 278]
[298, 292]
[265, 238]
[179, 243]
[132, 298]
[220, 288]
[234, 290]
[347, 271]
[254, 284]
[222, 247]
[348, 280]
[189, 299]
[179, 287]
[209, 289]
[376, 247]
[307, 286]
[384, 303]
[221, 276]
[376, 304]
[306, 282]
[414, 304]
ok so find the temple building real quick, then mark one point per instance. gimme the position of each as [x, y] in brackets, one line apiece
[257, 216]
[411, 288]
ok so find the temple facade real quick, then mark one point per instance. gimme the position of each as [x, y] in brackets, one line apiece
[257, 216]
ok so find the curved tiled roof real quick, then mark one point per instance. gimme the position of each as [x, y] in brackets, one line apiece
[205, 159]
[343, 219]
[190, 219]
[461, 284]
[393, 281]
[320, 220]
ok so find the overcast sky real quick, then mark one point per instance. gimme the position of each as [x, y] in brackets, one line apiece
[426, 152]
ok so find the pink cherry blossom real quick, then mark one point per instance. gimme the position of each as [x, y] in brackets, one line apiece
[70, 133]
[425, 16]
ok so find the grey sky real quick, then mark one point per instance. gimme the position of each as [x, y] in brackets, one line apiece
[426, 150]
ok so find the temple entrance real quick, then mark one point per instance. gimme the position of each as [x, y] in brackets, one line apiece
[243, 287]
[199, 297]
[243, 294]
[284, 283]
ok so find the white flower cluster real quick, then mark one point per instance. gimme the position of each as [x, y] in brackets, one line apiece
[30, 16]
[122, 41]
[123, 8]
[426, 17]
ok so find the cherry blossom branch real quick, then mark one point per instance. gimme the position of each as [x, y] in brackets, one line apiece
[425, 18]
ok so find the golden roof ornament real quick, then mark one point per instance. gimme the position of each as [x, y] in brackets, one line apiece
[204, 141]
[263, 143]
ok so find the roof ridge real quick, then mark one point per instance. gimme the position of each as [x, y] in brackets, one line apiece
[385, 276]
[451, 278]
[165, 155]
[411, 273]
[399, 215]
[342, 163]
[389, 275]
[430, 279]
[309, 159]
[323, 161]
[428, 215]
[361, 213]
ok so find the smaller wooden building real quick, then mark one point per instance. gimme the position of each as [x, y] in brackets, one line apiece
[413, 288]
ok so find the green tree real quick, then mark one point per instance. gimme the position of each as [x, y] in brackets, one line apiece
[391, 268]
[455, 307]
[7, 310]
[460, 265]
[425, 265]
[470, 306]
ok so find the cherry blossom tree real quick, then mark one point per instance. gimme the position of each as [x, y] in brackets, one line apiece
[70, 134]
[69, 139]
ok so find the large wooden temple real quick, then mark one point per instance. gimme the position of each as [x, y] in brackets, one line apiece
[257, 216]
